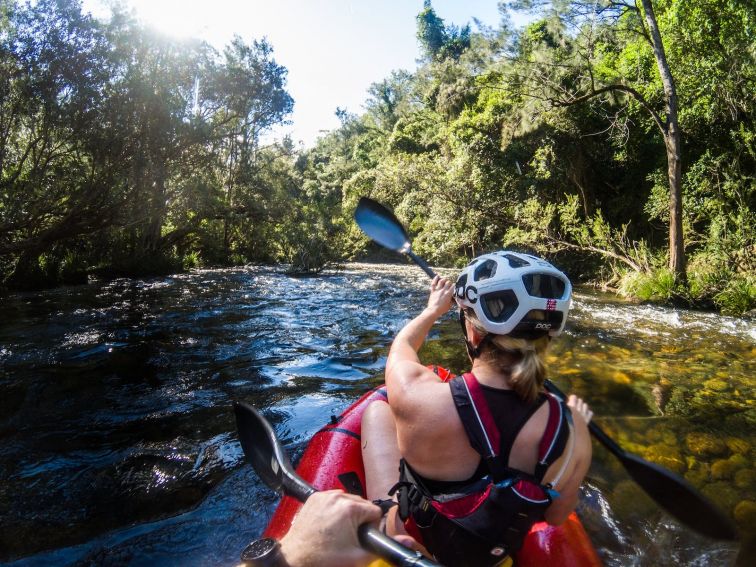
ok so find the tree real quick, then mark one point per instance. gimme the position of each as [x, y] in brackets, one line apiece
[437, 40]
[55, 184]
[250, 87]
[589, 20]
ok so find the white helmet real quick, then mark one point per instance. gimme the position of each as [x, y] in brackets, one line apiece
[515, 294]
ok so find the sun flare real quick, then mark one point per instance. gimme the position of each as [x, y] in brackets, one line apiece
[178, 18]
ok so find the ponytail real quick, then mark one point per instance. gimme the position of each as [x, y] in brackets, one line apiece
[527, 374]
[522, 359]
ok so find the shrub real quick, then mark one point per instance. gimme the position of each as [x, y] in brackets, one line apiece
[739, 296]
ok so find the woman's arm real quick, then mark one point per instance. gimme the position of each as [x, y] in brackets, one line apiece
[411, 337]
[405, 375]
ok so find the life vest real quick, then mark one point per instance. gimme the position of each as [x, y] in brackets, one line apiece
[481, 522]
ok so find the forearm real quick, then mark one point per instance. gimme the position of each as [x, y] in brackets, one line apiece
[409, 340]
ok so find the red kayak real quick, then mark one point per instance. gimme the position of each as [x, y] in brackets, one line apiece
[333, 459]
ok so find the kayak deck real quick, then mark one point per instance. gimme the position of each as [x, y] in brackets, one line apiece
[333, 459]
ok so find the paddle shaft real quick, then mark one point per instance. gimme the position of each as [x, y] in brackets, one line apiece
[422, 263]
[392, 551]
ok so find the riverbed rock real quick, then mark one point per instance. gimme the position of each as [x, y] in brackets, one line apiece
[745, 515]
[738, 445]
[716, 385]
[723, 469]
[705, 444]
[667, 456]
[745, 479]
[698, 476]
[725, 495]
[630, 501]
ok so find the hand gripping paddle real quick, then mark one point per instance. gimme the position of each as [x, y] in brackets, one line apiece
[267, 456]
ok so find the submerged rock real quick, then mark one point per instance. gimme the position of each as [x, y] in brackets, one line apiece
[723, 469]
[631, 501]
[738, 445]
[745, 478]
[723, 494]
[716, 385]
[697, 476]
[745, 515]
[667, 456]
[705, 445]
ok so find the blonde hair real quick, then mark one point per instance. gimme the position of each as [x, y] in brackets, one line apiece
[528, 371]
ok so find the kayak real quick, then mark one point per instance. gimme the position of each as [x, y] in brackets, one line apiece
[333, 459]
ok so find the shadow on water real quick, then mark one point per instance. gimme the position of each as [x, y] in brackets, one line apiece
[117, 443]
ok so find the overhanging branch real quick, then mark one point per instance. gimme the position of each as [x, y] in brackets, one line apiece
[609, 88]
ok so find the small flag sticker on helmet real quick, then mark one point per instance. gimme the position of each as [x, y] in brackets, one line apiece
[550, 304]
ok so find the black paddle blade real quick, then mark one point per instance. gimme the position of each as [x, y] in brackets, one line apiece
[679, 498]
[381, 225]
[264, 452]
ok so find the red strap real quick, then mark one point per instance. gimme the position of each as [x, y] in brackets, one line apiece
[552, 428]
[483, 413]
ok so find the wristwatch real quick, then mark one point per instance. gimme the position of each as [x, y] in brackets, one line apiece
[265, 552]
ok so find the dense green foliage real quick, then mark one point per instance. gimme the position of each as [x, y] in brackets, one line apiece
[552, 139]
[131, 153]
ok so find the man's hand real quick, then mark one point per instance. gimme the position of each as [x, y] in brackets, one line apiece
[325, 531]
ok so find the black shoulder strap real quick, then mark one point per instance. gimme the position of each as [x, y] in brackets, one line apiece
[466, 410]
[492, 444]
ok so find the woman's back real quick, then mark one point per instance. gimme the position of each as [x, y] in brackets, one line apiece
[433, 440]
[482, 458]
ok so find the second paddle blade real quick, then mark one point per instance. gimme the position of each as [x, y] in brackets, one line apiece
[680, 499]
[260, 445]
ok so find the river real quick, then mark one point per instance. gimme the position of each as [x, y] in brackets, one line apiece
[118, 443]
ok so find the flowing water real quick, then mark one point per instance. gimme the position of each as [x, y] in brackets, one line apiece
[117, 441]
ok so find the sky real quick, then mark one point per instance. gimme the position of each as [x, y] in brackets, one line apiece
[333, 49]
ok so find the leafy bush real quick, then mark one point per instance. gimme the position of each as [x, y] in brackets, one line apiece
[656, 285]
[739, 296]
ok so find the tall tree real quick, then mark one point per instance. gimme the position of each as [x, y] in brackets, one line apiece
[54, 184]
[592, 21]
[438, 40]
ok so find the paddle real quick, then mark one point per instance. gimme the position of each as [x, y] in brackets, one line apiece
[265, 453]
[670, 491]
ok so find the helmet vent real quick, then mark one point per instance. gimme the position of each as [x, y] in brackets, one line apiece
[459, 287]
[485, 271]
[499, 306]
[516, 262]
[543, 285]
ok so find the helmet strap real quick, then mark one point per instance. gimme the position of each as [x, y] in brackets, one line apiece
[472, 351]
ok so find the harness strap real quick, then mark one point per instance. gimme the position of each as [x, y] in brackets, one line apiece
[484, 435]
[567, 459]
[559, 417]
[483, 415]
[424, 515]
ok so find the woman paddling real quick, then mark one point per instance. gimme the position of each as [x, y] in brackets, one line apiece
[486, 455]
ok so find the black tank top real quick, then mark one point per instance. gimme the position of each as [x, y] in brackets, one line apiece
[510, 413]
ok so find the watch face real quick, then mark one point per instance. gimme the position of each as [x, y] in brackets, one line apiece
[259, 549]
